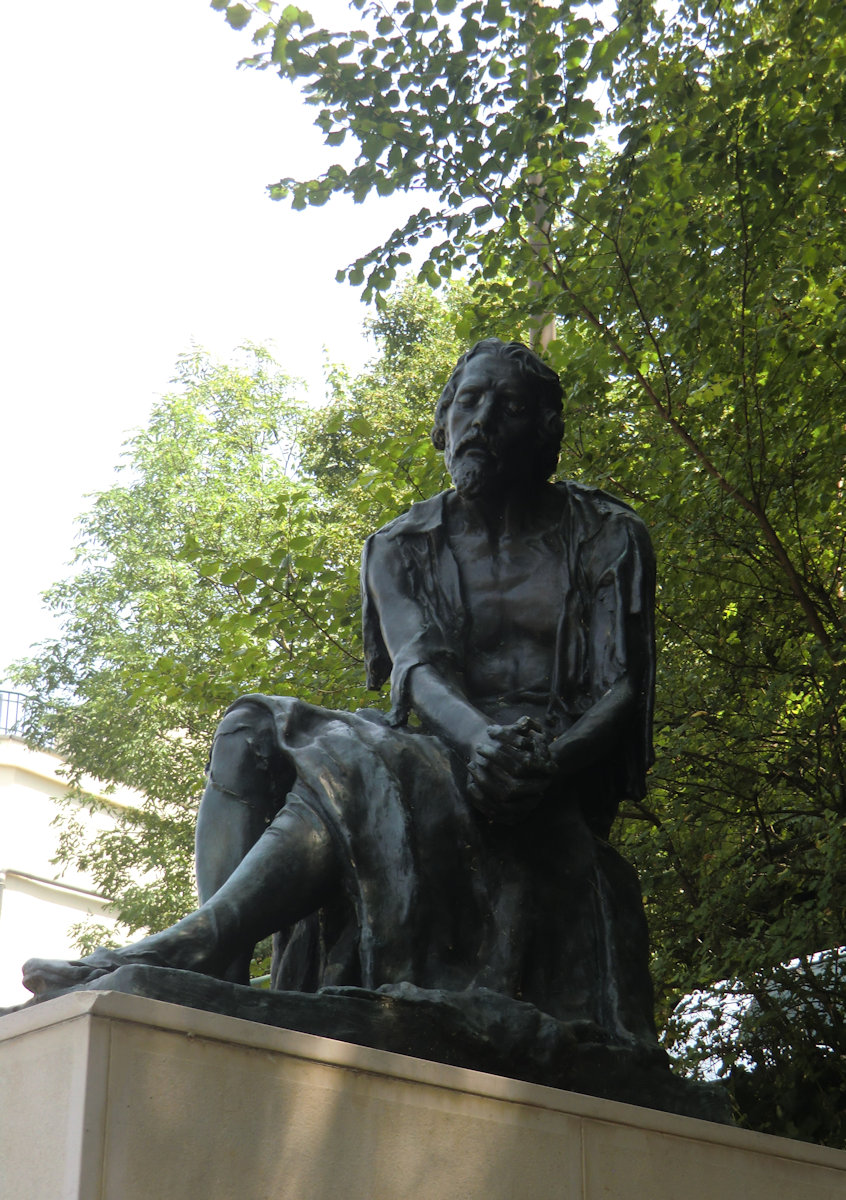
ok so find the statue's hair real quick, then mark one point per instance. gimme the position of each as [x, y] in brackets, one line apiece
[543, 381]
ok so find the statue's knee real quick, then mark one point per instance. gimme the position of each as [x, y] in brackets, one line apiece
[244, 719]
[244, 749]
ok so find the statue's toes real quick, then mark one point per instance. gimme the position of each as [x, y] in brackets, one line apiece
[43, 975]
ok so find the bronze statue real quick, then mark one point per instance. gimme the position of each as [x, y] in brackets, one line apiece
[463, 853]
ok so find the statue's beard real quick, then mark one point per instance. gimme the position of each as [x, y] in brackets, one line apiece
[472, 474]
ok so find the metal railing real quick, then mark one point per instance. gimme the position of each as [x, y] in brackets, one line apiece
[12, 706]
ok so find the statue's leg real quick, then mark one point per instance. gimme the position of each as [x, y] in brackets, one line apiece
[282, 877]
[248, 780]
[286, 875]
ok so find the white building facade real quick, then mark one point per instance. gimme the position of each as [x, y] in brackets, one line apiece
[40, 900]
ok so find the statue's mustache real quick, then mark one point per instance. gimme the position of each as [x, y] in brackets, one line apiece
[475, 442]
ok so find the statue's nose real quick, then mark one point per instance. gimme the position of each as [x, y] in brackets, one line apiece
[483, 410]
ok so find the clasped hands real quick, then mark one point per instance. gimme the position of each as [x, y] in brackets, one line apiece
[509, 770]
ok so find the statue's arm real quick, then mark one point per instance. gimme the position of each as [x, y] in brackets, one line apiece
[598, 732]
[444, 708]
[505, 764]
[620, 577]
[417, 648]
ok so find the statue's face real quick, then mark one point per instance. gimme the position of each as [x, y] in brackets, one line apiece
[491, 427]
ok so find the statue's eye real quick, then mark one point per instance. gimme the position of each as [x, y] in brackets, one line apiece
[515, 406]
[467, 397]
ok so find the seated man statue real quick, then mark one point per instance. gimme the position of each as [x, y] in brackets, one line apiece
[460, 843]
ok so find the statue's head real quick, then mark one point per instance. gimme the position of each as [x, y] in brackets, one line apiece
[499, 417]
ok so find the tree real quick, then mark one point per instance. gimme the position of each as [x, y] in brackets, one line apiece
[687, 236]
[225, 561]
[131, 690]
[362, 458]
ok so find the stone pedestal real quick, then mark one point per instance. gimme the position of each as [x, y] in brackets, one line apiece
[105, 1096]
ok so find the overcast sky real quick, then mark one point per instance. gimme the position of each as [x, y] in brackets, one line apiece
[135, 157]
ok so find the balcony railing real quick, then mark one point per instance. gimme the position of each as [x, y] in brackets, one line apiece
[12, 705]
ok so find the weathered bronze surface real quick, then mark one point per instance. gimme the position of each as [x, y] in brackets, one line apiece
[452, 857]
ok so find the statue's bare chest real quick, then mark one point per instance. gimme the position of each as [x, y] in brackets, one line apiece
[512, 589]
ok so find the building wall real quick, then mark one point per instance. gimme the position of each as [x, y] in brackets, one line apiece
[40, 900]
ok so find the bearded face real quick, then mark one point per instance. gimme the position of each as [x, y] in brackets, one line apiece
[491, 429]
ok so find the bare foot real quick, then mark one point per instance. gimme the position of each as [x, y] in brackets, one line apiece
[193, 944]
[43, 976]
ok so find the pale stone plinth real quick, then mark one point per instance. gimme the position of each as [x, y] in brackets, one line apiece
[105, 1096]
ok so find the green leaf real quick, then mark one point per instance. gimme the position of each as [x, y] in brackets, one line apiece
[238, 16]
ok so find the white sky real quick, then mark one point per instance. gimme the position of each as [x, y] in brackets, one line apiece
[134, 219]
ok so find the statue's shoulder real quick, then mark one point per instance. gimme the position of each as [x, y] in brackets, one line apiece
[597, 507]
[603, 525]
[423, 517]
